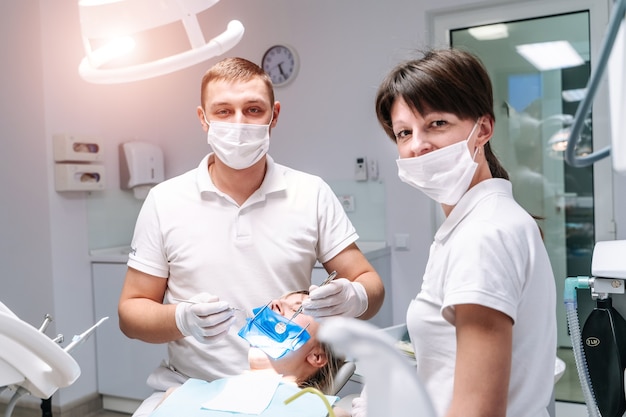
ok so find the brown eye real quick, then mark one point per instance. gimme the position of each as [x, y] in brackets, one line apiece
[403, 135]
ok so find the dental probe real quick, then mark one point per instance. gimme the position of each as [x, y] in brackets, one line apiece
[180, 300]
[326, 281]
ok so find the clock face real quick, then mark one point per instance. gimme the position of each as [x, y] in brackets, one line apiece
[281, 64]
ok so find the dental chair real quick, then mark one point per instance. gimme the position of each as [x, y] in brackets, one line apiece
[342, 377]
[392, 383]
[31, 362]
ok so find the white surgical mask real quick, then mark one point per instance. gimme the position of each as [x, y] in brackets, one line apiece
[443, 175]
[239, 145]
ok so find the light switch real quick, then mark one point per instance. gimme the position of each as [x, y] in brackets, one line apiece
[360, 169]
[401, 241]
[373, 169]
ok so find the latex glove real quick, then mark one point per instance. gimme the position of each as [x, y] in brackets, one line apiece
[359, 406]
[340, 297]
[205, 318]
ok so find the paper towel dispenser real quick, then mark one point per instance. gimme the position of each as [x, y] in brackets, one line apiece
[141, 167]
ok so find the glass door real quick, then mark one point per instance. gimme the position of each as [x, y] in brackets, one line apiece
[535, 106]
[535, 99]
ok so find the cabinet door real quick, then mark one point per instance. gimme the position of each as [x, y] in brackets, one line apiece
[123, 364]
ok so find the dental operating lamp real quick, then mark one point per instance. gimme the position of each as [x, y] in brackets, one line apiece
[109, 27]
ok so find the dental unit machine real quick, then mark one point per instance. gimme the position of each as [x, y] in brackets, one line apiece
[600, 347]
[33, 363]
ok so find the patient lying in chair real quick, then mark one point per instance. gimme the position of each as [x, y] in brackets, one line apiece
[262, 390]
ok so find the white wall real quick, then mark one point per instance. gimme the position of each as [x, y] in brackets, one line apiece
[327, 120]
[24, 212]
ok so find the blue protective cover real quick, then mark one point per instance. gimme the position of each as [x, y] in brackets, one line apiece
[187, 400]
[260, 331]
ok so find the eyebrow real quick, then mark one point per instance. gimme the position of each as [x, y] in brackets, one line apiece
[306, 292]
[248, 101]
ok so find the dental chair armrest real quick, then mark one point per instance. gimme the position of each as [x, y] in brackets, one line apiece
[44, 365]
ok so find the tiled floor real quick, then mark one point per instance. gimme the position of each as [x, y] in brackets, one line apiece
[567, 391]
[107, 413]
[25, 412]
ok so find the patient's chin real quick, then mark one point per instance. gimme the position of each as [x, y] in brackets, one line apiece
[258, 359]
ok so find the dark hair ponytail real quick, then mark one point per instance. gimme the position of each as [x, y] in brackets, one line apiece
[496, 168]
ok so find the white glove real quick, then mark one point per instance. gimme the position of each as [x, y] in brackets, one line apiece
[205, 318]
[359, 406]
[340, 297]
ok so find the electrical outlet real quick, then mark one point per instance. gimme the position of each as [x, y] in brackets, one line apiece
[347, 201]
[401, 241]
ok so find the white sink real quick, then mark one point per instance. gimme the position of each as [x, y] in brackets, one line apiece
[559, 369]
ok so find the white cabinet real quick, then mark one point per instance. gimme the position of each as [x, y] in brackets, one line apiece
[123, 364]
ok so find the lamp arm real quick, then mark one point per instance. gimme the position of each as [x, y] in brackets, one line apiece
[617, 15]
[216, 46]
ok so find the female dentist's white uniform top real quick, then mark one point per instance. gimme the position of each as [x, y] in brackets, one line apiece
[488, 252]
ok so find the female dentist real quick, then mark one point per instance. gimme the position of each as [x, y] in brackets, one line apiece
[483, 325]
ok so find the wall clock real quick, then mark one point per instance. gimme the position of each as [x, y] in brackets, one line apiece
[281, 63]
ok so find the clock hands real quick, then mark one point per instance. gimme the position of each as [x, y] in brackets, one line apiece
[280, 68]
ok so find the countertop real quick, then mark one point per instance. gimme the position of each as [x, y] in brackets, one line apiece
[117, 254]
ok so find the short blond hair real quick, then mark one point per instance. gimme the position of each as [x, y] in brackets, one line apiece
[324, 378]
[235, 69]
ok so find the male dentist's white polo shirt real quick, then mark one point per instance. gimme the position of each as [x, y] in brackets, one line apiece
[202, 241]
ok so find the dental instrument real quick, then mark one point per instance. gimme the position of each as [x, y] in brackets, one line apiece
[46, 321]
[326, 281]
[314, 391]
[180, 300]
[273, 333]
[80, 338]
[281, 326]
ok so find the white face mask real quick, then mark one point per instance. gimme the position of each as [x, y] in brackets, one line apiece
[443, 175]
[239, 145]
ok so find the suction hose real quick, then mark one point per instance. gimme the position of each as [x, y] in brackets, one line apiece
[571, 308]
[386, 372]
